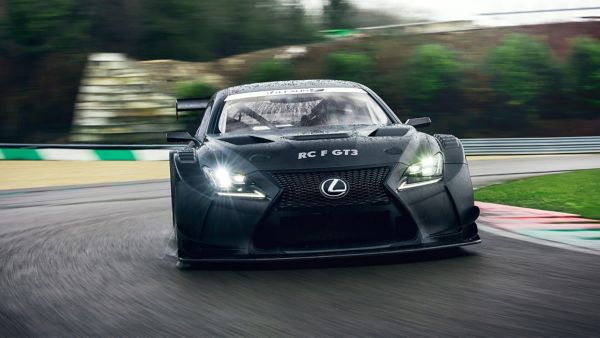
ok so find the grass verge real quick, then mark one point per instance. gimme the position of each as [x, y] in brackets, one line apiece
[575, 192]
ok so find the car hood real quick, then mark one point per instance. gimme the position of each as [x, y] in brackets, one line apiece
[322, 148]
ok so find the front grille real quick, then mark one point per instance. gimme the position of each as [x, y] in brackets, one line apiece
[301, 189]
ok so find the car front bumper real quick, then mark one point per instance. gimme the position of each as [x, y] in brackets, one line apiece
[438, 215]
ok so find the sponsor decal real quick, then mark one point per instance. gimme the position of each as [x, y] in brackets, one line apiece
[325, 152]
[294, 91]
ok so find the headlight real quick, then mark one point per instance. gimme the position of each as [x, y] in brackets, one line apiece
[426, 170]
[231, 184]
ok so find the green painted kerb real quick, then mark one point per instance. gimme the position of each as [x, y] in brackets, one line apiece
[16, 154]
[20, 154]
[115, 155]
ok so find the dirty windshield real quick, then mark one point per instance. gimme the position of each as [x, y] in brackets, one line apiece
[299, 108]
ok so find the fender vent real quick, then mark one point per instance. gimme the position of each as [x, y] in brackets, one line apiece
[187, 156]
[448, 141]
[452, 148]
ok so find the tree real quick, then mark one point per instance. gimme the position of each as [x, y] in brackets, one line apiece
[292, 24]
[271, 70]
[115, 25]
[37, 27]
[202, 30]
[432, 79]
[351, 66]
[584, 73]
[337, 14]
[194, 89]
[174, 29]
[523, 73]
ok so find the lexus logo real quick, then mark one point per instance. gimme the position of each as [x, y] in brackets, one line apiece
[334, 188]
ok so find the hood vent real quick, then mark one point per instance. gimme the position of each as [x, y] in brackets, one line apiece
[390, 131]
[308, 137]
[244, 140]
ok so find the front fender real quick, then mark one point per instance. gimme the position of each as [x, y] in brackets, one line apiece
[458, 178]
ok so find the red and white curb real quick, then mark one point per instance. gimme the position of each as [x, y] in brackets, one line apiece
[558, 229]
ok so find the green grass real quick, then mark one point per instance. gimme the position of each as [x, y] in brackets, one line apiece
[575, 192]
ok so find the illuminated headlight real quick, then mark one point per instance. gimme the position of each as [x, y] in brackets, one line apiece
[426, 170]
[231, 184]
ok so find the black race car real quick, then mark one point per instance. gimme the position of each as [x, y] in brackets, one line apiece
[311, 169]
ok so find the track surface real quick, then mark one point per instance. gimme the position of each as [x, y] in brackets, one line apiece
[96, 261]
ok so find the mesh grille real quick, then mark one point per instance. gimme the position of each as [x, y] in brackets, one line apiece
[301, 189]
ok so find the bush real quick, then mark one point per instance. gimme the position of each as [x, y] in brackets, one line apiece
[523, 73]
[194, 89]
[271, 70]
[584, 74]
[432, 80]
[358, 67]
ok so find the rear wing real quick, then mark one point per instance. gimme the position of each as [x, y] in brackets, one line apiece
[190, 105]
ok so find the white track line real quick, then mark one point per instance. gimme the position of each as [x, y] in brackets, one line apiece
[53, 154]
[151, 155]
[514, 235]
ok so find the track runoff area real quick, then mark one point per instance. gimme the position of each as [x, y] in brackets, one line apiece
[562, 230]
[95, 260]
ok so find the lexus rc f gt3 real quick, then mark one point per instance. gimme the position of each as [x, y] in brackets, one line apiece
[312, 169]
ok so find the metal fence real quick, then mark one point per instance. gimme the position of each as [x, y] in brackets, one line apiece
[532, 146]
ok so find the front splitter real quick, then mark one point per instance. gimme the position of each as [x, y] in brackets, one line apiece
[329, 255]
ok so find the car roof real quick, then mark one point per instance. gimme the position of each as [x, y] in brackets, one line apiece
[292, 84]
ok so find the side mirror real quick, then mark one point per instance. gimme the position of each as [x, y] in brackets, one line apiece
[181, 136]
[419, 122]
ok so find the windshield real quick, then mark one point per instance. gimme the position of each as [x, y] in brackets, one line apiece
[299, 108]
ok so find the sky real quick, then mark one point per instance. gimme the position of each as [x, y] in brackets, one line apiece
[440, 10]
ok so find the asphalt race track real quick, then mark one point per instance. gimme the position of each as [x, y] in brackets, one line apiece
[98, 261]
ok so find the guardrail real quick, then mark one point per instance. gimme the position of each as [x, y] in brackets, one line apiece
[159, 152]
[88, 146]
[532, 146]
